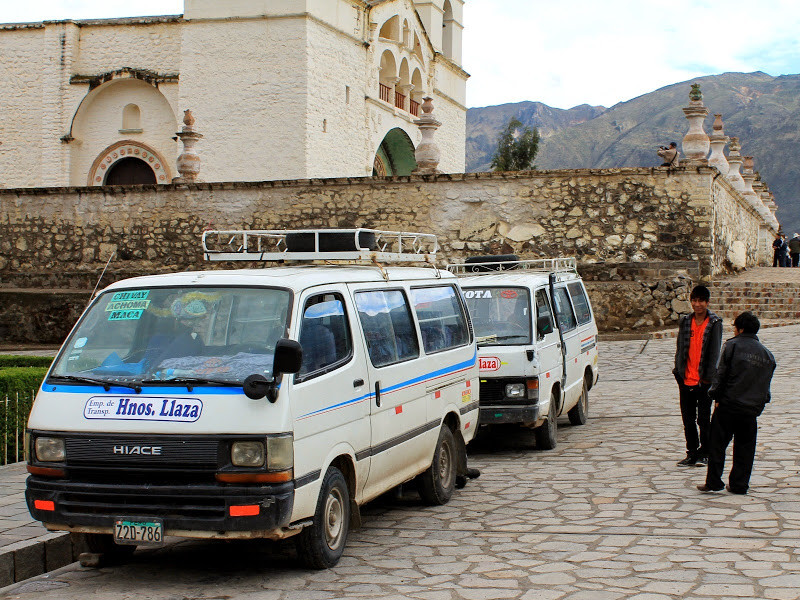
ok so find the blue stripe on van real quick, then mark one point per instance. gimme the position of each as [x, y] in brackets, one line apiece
[146, 390]
[462, 366]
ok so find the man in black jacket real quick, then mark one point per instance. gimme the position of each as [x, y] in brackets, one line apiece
[740, 391]
[696, 355]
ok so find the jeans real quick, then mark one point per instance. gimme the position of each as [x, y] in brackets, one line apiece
[696, 412]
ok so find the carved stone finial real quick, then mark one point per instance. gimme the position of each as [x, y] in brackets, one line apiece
[189, 160]
[718, 140]
[735, 162]
[427, 152]
[696, 143]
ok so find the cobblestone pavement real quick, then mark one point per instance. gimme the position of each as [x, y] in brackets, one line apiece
[606, 515]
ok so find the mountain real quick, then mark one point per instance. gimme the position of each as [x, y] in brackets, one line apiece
[762, 110]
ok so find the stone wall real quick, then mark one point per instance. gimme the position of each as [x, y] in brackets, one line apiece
[639, 233]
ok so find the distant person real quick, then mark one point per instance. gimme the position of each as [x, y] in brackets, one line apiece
[779, 250]
[740, 391]
[670, 155]
[794, 249]
[696, 355]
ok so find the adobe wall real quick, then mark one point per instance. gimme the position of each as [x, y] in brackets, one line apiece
[644, 232]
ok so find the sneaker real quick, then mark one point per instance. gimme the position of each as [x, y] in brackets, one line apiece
[701, 462]
[707, 490]
[689, 461]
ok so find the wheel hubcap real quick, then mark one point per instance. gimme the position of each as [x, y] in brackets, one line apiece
[445, 466]
[334, 518]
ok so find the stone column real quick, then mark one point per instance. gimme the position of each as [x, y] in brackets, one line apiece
[735, 162]
[189, 160]
[718, 142]
[696, 142]
[406, 90]
[427, 152]
[393, 81]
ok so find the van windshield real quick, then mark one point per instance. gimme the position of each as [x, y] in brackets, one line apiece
[501, 316]
[162, 334]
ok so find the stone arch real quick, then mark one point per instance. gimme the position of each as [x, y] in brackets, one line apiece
[395, 155]
[128, 149]
[390, 30]
[96, 127]
[447, 30]
[417, 92]
[387, 76]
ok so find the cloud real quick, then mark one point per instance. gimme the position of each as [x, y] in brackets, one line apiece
[581, 51]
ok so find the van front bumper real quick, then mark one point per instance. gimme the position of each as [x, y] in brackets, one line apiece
[492, 415]
[191, 507]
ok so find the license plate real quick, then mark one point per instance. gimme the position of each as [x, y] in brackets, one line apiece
[144, 532]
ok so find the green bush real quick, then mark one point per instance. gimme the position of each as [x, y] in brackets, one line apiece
[24, 361]
[18, 387]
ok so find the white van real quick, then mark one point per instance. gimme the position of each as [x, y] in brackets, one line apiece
[537, 341]
[258, 403]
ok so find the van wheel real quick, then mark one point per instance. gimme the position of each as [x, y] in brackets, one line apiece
[103, 543]
[321, 544]
[546, 432]
[578, 413]
[437, 483]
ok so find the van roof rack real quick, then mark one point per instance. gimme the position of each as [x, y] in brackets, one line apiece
[367, 246]
[538, 265]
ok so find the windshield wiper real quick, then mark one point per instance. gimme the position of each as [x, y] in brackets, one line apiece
[136, 387]
[189, 381]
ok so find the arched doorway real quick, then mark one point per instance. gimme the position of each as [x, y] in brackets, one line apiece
[130, 171]
[395, 155]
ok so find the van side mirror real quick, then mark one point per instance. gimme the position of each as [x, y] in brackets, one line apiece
[288, 358]
[544, 325]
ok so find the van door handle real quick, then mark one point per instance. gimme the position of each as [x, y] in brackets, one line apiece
[358, 383]
[377, 393]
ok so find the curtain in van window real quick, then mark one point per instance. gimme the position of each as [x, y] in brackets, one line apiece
[441, 318]
[580, 302]
[388, 328]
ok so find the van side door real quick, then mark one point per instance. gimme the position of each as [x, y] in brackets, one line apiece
[397, 403]
[565, 316]
[329, 394]
[548, 346]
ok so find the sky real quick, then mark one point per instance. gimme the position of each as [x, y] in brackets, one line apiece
[567, 52]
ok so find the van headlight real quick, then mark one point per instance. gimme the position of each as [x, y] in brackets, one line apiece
[248, 454]
[516, 390]
[50, 449]
[280, 452]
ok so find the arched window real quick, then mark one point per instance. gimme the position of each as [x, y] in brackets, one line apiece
[131, 119]
[447, 31]
[390, 30]
[417, 92]
[388, 77]
[403, 88]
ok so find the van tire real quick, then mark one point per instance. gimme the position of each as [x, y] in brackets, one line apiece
[321, 544]
[103, 543]
[579, 413]
[546, 432]
[437, 483]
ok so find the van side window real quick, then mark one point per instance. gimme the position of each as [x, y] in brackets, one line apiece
[580, 302]
[442, 321]
[543, 308]
[324, 334]
[566, 318]
[389, 331]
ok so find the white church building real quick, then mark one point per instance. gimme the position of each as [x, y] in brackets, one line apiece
[280, 89]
